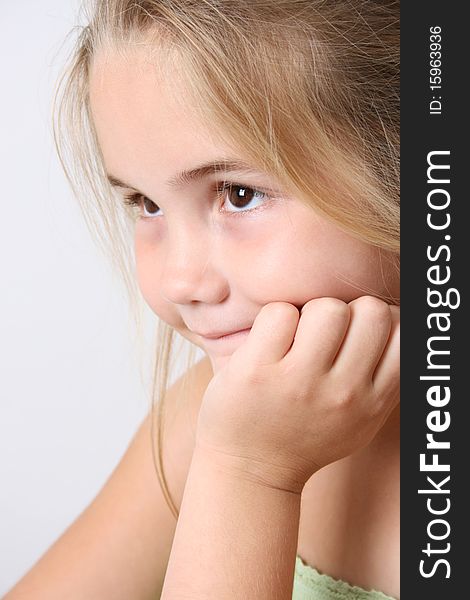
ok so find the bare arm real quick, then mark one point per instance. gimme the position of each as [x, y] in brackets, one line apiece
[290, 400]
[236, 537]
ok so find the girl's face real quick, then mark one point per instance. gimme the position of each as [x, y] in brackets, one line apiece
[208, 260]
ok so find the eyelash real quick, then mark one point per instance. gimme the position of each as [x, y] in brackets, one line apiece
[135, 199]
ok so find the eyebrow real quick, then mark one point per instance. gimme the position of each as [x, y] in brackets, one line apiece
[199, 172]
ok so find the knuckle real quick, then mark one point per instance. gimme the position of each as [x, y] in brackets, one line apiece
[375, 405]
[374, 307]
[391, 387]
[280, 310]
[328, 305]
[346, 397]
[336, 307]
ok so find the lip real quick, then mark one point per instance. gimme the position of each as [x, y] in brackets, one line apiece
[223, 335]
[224, 344]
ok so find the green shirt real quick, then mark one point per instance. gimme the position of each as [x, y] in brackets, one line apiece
[309, 584]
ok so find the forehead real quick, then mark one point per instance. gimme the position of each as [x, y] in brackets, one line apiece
[116, 69]
[145, 117]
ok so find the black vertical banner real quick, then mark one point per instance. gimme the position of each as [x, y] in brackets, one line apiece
[435, 272]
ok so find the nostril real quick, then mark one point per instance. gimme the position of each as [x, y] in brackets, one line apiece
[185, 285]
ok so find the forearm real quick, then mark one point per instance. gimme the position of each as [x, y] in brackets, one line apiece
[235, 537]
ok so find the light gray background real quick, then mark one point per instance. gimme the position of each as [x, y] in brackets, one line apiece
[72, 388]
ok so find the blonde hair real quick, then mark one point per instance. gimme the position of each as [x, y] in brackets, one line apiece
[308, 90]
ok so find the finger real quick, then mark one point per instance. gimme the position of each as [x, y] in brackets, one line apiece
[320, 332]
[272, 333]
[366, 338]
[386, 377]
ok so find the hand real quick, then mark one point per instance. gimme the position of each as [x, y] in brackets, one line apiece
[303, 390]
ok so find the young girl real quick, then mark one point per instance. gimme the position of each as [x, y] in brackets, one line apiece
[251, 149]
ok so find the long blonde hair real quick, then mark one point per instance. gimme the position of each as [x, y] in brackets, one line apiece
[308, 90]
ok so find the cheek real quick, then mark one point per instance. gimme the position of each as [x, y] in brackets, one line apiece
[290, 273]
[147, 277]
[277, 265]
[303, 261]
[146, 263]
[149, 271]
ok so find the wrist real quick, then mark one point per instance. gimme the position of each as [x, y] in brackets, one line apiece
[247, 469]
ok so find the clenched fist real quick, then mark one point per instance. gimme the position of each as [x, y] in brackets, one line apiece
[304, 390]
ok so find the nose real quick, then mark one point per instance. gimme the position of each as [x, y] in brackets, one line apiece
[189, 273]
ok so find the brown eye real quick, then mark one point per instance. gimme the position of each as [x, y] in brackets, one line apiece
[241, 197]
[147, 207]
